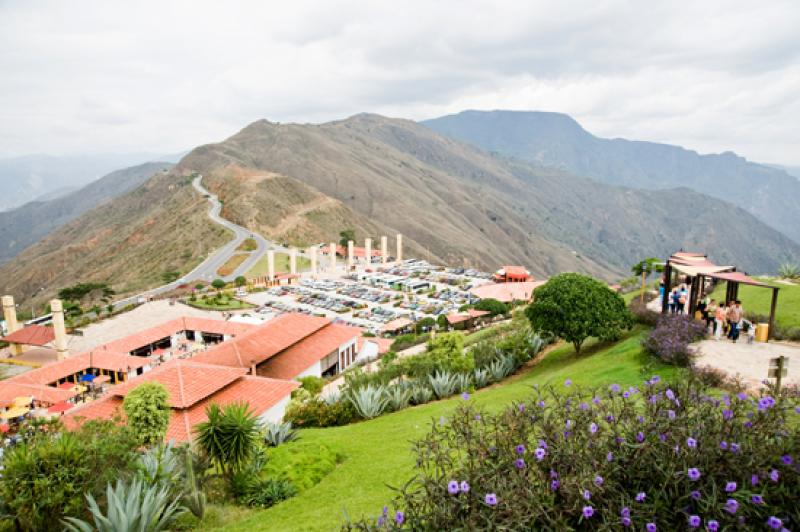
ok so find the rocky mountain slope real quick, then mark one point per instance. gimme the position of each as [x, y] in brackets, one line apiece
[26, 225]
[556, 140]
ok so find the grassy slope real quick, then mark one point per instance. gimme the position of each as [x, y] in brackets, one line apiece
[281, 265]
[377, 452]
[758, 300]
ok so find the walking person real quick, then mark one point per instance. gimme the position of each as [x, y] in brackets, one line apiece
[710, 315]
[719, 320]
[734, 317]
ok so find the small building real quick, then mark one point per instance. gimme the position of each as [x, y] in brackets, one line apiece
[467, 320]
[512, 274]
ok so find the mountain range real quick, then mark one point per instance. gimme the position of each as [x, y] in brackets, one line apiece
[557, 140]
[455, 202]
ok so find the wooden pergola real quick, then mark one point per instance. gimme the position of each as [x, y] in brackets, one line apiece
[697, 267]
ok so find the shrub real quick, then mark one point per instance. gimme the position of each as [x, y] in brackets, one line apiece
[789, 270]
[642, 314]
[493, 306]
[671, 338]
[317, 413]
[575, 307]
[302, 463]
[312, 383]
[279, 433]
[404, 341]
[264, 493]
[603, 459]
[229, 435]
[369, 401]
[147, 410]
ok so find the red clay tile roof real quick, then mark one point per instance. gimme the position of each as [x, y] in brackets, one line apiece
[94, 359]
[292, 362]
[40, 392]
[186, 381]
[263, 341]
[38, 335]
[261, 394]
[167, 329]
[396, 324]
[473, 313]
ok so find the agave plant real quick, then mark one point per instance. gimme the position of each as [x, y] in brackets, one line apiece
[501, 367]
[131, 507]
[443, 384]
[194, 498]
[421, 394]
[535, 344]
[369, 401]
[160, 465]
[332, 398]
[481, 377]
[398, 395]
[463, 382]
[277, 433]
[789, 271]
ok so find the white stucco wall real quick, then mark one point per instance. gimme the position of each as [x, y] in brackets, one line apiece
[314, 370]
[275, 414]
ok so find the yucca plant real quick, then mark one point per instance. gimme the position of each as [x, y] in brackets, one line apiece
[443, 384]
[398, 395]
[131, 507]
[463, 382]
[229, 435]
[369, 401]
[421, 394]
[481, 377]
[789, 270]
[278, 433]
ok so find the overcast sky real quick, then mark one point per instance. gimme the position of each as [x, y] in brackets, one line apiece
[88, 77]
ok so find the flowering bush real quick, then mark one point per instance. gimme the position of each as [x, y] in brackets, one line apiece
[671, 338]
[657, 457]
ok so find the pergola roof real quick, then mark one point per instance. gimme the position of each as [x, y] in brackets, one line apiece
[37, 335]
[738, 277]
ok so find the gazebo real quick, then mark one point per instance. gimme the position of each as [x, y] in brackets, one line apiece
[697, 268]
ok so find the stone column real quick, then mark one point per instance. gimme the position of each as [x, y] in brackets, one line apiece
[312, 255]
[399, 256]
[293, 261]
[350, 245]
[368, 251]
[10, 315]
[271, 265]
[384, 249]
[59, 329]
[333, 257]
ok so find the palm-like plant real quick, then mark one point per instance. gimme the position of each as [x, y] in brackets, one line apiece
[421, 394]
[131, 507]
[443, 384]
[481, 377]
[463, 382]
[278, 433]
[645, 268]
[229, 435]
[789, 271]
[398, 396]
[369, 401]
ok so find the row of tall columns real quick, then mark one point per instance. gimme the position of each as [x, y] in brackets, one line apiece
[10, 315]
[59, 327]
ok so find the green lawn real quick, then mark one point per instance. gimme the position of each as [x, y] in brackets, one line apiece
[261, 267]
[377, 452]
[756, 299]
[224, 304]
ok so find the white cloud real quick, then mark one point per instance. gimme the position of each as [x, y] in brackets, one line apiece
[164, 76]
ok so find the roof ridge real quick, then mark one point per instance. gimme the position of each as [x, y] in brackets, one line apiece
[180, 384]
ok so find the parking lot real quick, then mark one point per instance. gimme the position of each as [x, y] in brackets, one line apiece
[370, 299]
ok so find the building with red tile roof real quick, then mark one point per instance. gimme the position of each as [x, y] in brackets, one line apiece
[37, 335]
[512, 274]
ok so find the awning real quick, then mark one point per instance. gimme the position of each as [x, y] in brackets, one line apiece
[24, 400]
[14, 412]
[738, 277]
[60, 408]
[692, 270]
[87, 378]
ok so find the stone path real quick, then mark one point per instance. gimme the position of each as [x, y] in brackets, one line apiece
[748, 361]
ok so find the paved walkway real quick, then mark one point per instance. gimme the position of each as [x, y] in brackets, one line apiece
[748, 361]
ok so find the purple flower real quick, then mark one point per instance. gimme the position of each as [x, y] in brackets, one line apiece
[723, 445]
[641, 496]
[734, 447]
[452, 487]
[732, 505]
[727, 414]
[519, 463]
[695, 495]
[694, 521]
[650, 527]
[741, 396]
[615, 388]
[399, 517]
[477, 417]
[543, 444]
[553, 474]
[625, 512]
[626, 521]
[568, 424]
[655, 379]
[490, 499]
[774, 475]
[693, 473]
[797, 409]
[541, 404]
[554, 485]
[464, 486]
[626, 394]
[610, 457]
[713, 525]
[753, 479]
[671, 414]
[598, 481]
[588, 511]
[766, 402]
[568, 382]
[520, 449]
[757, 499]
[670, 394]
[587, 494]
[609, 418]
[465, 396]
[640, 419]
[584, 406]
[539, 453]
[786, 459]
[774, 523]
[596, 401]
[730, 487]
[748, 424]
[593, 428]
[640, 436]
[662, 437]
[691, 443]
[521, 407]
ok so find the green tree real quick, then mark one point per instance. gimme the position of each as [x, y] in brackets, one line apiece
[240, 281]
[346, 236]
[644, 268]
[441, 321]
[228, 437]
[219, 284]
[170, 277]
[493, 306]
[574, 307]
[446, 351]
[424, 324]
[148, 412]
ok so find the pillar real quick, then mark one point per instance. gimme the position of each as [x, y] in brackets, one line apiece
[59, 329]
[384, 248]
[333, 257]
[10, 315]
[368, 251]
[271, 265]
[399, 256]
[350, 245]
[312, 255]
[293, 261]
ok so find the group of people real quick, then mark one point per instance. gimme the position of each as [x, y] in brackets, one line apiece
[727, 318]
